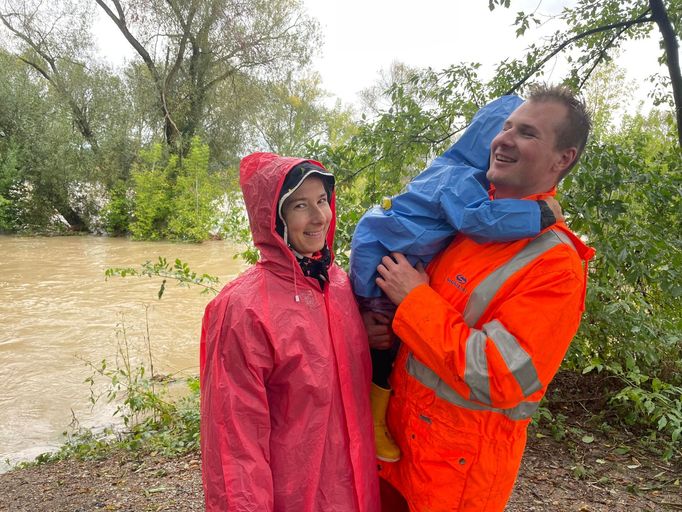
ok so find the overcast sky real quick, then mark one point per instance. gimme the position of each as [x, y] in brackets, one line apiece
[365, 36]
[362, 37]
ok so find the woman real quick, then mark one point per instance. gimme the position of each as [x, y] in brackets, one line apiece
[285, 370]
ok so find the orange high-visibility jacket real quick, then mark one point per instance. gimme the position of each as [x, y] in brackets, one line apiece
[480, 345]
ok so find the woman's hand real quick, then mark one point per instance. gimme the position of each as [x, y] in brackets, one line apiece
[397, 277]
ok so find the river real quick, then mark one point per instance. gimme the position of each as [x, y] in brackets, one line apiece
[57, 312]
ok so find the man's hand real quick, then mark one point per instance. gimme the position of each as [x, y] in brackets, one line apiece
[397, 277]
[378, 329]
[555, 207]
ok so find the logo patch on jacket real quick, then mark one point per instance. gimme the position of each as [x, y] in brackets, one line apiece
[459, 282]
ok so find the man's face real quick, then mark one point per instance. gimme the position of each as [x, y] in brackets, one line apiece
[524, 159]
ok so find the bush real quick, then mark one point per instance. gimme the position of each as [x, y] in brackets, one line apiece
[625, 199]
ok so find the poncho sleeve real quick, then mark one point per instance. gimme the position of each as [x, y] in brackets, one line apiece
[235, 416]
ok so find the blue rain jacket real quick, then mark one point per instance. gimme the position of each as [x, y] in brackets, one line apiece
[450, 196]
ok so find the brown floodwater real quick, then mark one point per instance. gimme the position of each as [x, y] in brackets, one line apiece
[58, 312]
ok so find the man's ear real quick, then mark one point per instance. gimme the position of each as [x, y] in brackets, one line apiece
[566, 158]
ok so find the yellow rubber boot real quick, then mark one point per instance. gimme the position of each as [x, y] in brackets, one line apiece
[387, 450]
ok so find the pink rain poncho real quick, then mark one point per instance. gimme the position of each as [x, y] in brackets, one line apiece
[285, 375]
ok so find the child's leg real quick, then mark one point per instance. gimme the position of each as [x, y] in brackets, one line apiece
[382, 362]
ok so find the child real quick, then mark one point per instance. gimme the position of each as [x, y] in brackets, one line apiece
[450, 196]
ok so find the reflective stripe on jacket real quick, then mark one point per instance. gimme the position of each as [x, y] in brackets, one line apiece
[481, 344]
[285, 375]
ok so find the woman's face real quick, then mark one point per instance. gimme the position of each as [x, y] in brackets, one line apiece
[307, 215]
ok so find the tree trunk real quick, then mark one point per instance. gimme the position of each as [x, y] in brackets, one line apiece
[671, 46]
[75, 221]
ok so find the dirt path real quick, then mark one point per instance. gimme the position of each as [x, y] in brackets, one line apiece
[567, 476]
[575, 476]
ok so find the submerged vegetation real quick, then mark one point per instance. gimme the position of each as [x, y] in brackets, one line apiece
[153, 413]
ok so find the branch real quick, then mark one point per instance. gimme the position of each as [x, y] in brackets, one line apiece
[55, 79]
[37, 67]
[601, 56]
[122, 25]
[186, 31]
[625, 24]
[352, 175]
[30, 42]
[227, 74]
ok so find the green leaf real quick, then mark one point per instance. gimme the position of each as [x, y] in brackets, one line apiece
[162, 288]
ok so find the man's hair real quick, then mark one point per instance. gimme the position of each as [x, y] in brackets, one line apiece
[574, 130]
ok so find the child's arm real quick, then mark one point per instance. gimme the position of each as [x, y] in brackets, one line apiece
[422, 220]
[464, 202]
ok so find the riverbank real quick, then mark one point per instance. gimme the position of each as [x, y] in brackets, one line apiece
[574, 462]
[568, 475]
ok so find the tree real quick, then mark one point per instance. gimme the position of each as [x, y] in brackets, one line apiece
[53, 39]
[200, 62]
[596, 29]
[289, 113]
[190, 48]
[88, 102]
[195, 197]
[607, 93]
[41, 154]
[373, 99]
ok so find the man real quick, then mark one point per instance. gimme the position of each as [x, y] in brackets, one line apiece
[485, 329]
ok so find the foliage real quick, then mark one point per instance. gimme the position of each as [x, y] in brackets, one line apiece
[36, 162]
[179, 272]
[554, 423]
[172, 197]
[153, 423]
[626, 199]
[6, 223]
[349, 210]
[118, 209]
[77, 124]
[288, 113]
[235, 227]
[152, 196]
[8, 179]
[192, 213]
[592, 33]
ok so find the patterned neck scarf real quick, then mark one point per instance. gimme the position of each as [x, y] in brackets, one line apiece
[316, 266]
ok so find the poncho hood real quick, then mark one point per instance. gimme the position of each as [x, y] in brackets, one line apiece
[261, 176]
[473, 147]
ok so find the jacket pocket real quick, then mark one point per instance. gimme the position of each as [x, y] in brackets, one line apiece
[441, 466]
